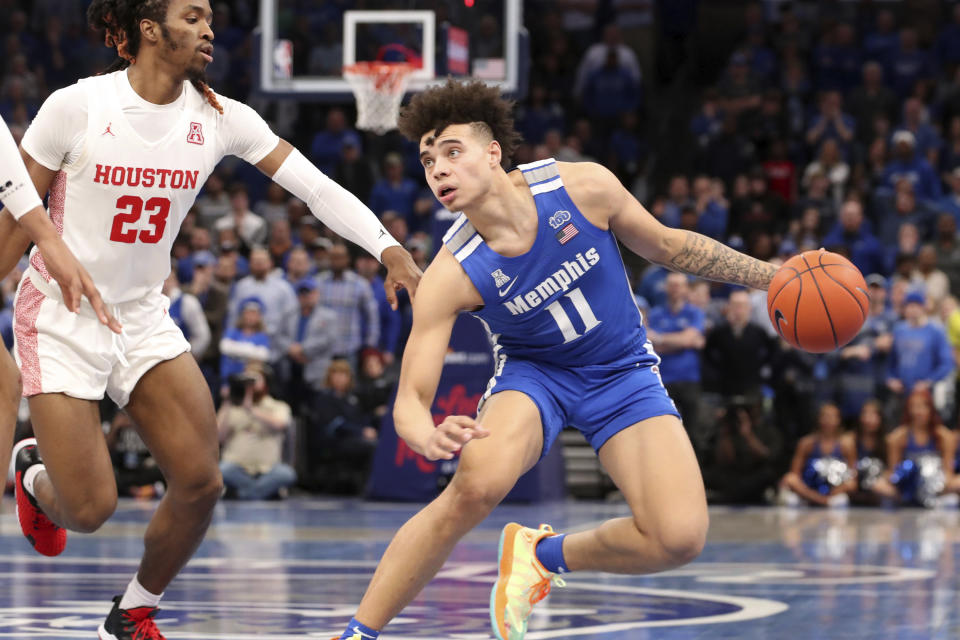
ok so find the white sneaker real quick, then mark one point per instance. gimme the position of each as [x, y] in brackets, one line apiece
[788, 498]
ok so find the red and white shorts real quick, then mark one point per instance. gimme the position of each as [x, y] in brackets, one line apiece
[59, 351]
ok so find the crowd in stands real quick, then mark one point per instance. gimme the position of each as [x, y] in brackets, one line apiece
[832, 125]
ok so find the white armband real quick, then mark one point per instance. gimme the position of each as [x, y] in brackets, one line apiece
[16, 188]
[333, 205]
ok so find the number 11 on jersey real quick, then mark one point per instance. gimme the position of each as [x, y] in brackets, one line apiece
[563, 320]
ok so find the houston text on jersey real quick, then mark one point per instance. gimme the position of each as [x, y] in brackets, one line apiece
[149, 177]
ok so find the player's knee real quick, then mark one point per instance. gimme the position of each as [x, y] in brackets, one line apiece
[682, 537]
[477, 494]
[201, 487]
[96, 510]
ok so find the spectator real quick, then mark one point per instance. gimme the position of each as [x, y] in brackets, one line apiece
[836, 59]
[882, 43]
[869, 100]
[831, 123]
[280, 243]
[950, 154]
[185, 310]
[351, 298]
[739, 89]
[780, 171]
[599, 55]
[250, 228]
[921, 436]
[817, 195]
[374, 386]
[741, 467]
[808, 480]
[707, 124]
[213, 297]
[539, 116]
[909, 64]
[609, 91]
[868, 439]
[920, 357]
[275, 206]
[712, 207]
[936, 286]
[339, 436]
[214, 202]
[247, 343]
[678, 197]
[327, 144]
[947, 47]
[353, 171]
[136, 472]
[277, 296]
[950, 203]
[905, 210]
[915, 120]
[299, 265]
[308, 342]
[948, 251]
[676, 331]
[830, 163]
[395, 191]
[391, 322]
[738, 352]
[253, 427]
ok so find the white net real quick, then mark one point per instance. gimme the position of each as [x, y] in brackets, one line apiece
[379, 88]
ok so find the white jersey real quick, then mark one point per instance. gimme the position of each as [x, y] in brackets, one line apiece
[129, 171]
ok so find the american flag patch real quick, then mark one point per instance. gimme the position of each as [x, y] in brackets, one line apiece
[566, 234]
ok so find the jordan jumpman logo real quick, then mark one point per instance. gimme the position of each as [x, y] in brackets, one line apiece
[109, 124]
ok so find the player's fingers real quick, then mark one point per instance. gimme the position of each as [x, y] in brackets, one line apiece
[71, 294]
[462, 421]
[391, 290]
[479, 431]
[106, 318]
[456, 433]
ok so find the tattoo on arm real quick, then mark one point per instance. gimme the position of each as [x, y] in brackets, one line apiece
[707, 258]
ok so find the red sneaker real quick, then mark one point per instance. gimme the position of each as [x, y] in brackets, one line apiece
[130, 624]
[46, 537]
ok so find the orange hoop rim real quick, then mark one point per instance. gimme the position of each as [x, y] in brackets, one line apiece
[378, 67]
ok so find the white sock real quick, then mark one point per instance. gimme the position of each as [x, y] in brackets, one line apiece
[30, 476]
[136, 596]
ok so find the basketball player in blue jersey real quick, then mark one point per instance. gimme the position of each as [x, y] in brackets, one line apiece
[534, 255]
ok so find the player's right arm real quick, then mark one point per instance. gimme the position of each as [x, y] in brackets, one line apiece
[24, 219]
[443, 293]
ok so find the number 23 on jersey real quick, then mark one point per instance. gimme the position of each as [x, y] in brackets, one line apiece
[125, 224]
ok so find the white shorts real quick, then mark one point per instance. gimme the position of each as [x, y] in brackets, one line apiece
[72, 353]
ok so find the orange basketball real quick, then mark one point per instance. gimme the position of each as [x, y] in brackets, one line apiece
[818, 301]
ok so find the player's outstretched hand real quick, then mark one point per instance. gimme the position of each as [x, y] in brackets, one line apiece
[74, 281]
[402, 272]
[450, 436]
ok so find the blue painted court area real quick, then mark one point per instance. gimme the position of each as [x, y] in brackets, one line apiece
[297, 569]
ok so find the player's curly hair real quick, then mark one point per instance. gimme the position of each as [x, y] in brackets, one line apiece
[461, 102]
[120, 20]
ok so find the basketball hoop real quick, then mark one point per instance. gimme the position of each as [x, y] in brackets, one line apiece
[379, 88]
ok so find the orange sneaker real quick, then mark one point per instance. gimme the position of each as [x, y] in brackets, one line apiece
[522, 582]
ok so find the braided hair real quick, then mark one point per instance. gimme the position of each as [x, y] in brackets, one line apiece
[120, 20]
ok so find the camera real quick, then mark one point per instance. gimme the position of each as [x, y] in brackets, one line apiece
[238, 385]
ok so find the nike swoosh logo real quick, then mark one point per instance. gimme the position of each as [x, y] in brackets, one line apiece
[504, 292]
[357, 631]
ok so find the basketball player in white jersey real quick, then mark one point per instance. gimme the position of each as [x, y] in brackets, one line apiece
[20, 197]
[123, 156]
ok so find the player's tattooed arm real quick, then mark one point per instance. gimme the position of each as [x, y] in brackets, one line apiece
[707, 258]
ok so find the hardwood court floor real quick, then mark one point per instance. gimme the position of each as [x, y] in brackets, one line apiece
[297, 569]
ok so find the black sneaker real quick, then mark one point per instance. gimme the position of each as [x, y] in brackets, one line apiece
[130, 624]
[46, 537]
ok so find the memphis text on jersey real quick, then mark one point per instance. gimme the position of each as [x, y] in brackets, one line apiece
[559, 280]
[140, 177]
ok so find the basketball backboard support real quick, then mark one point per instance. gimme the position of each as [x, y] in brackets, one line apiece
[304, 46]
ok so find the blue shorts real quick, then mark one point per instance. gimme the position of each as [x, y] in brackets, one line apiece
[599, 401]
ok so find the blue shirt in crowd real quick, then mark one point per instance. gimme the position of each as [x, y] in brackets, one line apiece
[918, 171]
[864, 249]
[920, 353]
[683, 365]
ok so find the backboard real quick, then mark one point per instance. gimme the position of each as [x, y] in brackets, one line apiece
[305, 44]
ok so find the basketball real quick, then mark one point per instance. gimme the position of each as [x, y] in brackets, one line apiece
[817, 301]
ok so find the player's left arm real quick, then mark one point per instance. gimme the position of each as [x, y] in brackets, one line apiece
[603, 199]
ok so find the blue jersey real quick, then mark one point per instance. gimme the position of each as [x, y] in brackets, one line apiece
[566, 301]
